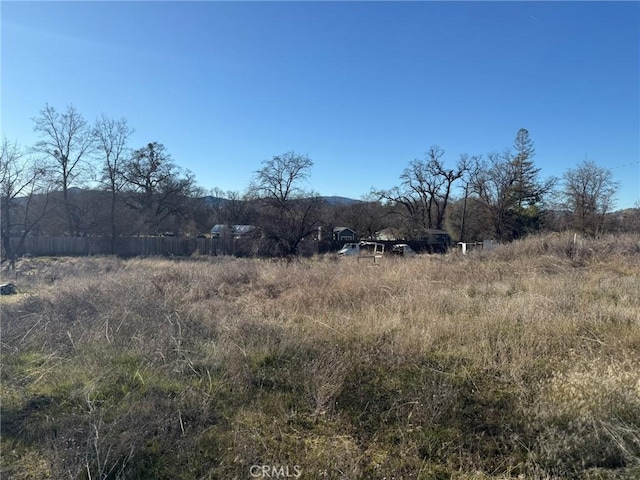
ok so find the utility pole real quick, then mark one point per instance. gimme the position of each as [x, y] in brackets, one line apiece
[464, 210]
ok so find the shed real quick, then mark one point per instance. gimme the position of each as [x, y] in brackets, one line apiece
[344, 234]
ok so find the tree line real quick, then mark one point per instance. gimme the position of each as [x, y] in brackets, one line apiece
[82, 178]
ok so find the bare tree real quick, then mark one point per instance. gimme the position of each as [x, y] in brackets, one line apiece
[508, 187]
[159, 189]
[67, 142]
[111, 138]
[425, 190]
[468, 221]
[20, 180]
[589, 192]
[492, 183]
[366, 216]
[288, 212]
[231, 208]
[280, 177]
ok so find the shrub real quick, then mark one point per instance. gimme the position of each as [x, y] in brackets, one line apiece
[519, 361]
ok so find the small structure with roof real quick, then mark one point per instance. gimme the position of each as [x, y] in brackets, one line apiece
[344, 234]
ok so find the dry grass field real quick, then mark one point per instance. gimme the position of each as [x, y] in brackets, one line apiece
[521, 362]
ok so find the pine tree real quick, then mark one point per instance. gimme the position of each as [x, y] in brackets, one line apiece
[527, 191]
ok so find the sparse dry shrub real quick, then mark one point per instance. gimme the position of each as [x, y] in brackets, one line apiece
[588, 416]
[517, 361]
[115, 310]
[35, 274]
[326, 375]
[570, 246]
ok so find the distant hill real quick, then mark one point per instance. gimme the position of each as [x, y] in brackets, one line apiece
[211, 201]
[340, 200]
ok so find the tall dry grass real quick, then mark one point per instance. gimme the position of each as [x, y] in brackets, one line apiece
[522, 361]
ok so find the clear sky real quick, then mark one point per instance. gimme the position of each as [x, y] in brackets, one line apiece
[362, 88]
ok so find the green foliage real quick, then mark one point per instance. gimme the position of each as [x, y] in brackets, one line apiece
[510, 191]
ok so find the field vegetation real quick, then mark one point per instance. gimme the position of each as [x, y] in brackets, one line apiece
[521, 362]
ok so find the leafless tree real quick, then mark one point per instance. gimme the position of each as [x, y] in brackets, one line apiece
[492, 184]
[508, 187]
[425, 190]
[231, 207]
[288, 212]
[111, 138]
[280, 178]
[21, 178]
[468, 221]
[589, 193]
[159, 188]
[367, 216]
[67, 142]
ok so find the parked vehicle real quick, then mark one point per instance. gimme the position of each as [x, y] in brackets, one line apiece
[403, 250]
[361, 249]
[371, 249]
[349, 249]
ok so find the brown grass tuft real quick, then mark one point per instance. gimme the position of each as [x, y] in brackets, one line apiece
[519, 362]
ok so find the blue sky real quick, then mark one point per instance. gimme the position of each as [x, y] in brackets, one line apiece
[362, 88]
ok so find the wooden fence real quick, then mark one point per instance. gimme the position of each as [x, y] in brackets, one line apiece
[176, 246]
[125, 246]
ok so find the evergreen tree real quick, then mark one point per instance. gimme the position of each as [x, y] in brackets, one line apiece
[509, 189]
[525, 188]
[527, 191]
